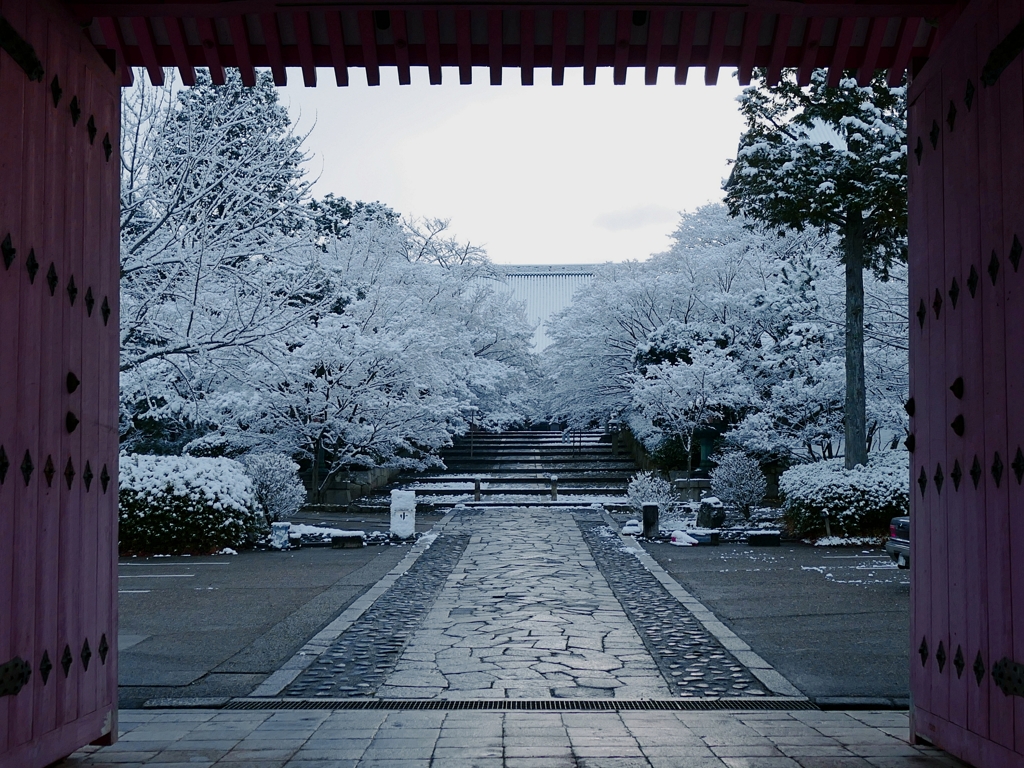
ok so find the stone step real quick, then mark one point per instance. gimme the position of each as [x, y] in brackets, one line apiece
[562, 479]
[520, 491]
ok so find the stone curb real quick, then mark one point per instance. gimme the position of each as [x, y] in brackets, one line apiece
[758, 667]
[311, 651]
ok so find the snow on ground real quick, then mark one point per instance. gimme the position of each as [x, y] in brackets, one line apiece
[853, 541]
[681, 539]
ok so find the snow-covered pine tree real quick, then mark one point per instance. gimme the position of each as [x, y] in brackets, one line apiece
[832, 159]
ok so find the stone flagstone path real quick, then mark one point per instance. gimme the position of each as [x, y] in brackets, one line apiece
[525, 614]
[511, 603]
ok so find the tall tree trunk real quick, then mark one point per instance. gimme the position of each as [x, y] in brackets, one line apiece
[854, 418]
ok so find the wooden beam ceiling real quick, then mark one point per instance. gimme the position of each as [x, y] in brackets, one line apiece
[847, 38]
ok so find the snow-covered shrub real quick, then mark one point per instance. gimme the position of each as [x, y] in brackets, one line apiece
[275, 484]
[182, 504]
[859, 500]
[649, 488]
[738, 481]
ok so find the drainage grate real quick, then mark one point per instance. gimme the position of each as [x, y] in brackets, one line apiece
[518, 705]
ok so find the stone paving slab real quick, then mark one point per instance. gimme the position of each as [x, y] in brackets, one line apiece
[436, 739]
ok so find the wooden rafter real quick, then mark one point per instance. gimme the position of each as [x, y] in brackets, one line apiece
[527, 32]
[591, 28]
[908, 31]
[876, 34]
[655, 33]
[623, 30]
[432, 36]
[177, 39]
[140, 25]
[243, 55]
[783, 26]
[401, 35]
[559, 33]
[812, 43]
[114, 41]
[495, 45]
[464, 45]
[211, 50]
[304, 41]
[272, 40]
[716, 48]
[841, 49]
[368, 43]
[748, 46]
[684, 55]
[336, 41]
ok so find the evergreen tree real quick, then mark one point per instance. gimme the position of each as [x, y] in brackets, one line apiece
[832, 159]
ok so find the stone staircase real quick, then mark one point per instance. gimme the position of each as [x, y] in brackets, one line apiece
[518, 467]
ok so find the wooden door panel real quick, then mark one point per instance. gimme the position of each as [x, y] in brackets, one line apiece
[967, 194]
[58, 388]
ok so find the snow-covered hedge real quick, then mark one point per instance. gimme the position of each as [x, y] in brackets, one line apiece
[739, 481]
[183, 504]
[275, 484]
[859, 500]
[649, 488]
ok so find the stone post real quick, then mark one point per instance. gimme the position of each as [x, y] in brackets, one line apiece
[554, 487]
[403, 514]
[651, 520]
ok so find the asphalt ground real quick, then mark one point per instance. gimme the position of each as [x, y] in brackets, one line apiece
[200, 627]
[835, 622]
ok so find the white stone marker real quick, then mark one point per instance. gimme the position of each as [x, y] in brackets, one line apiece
[403, 514]
[279, 535]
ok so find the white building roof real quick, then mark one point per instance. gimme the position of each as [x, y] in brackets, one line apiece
[545, 289]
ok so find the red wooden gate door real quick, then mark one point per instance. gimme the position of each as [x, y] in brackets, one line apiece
[58, 387]
[967, 384]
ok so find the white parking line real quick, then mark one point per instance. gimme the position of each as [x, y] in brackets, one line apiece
[166, 565]
[133, 591]
[160, 576]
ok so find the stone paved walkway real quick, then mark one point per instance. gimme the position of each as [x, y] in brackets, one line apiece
[525, 614]
[375, 739]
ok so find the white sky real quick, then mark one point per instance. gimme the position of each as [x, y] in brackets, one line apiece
[536, 175]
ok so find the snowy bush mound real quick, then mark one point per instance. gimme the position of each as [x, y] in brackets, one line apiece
[182, 504]
[275, 484]
[738, 481]
[859, 500]
[649, 488]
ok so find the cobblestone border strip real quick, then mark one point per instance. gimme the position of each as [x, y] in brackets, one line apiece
[277, 681]
[761, 669]
[690, 659]
[364, 655]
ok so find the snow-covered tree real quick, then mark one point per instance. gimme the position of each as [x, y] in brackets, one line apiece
[738, 481]
[831, 159]
[276, 487]
[212, 257]
[775, 301]
[698, 380]
[256, 318]
[398, 358]
[649, 488]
